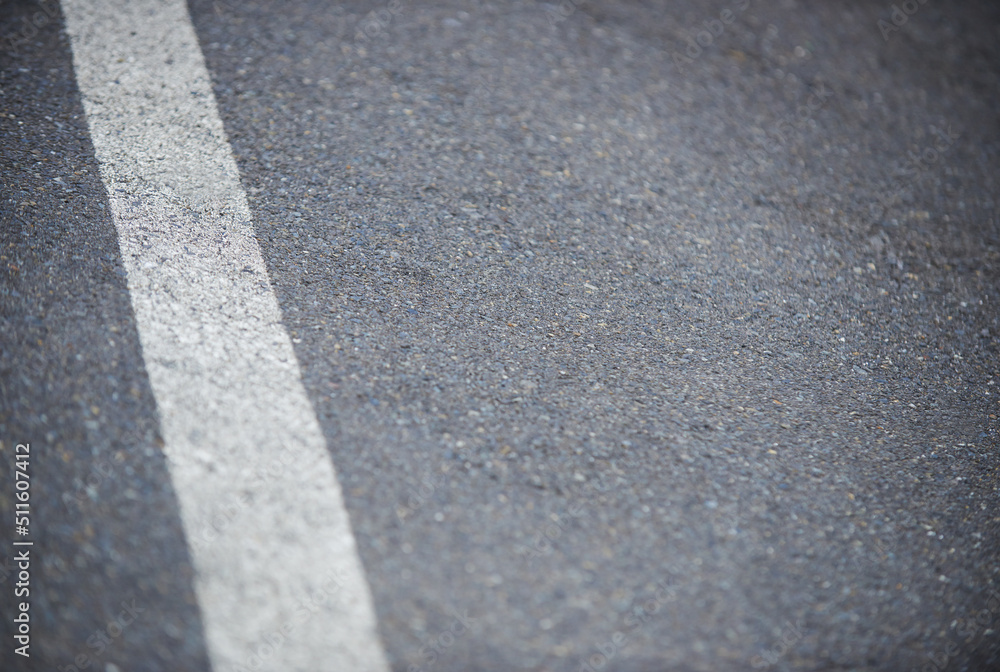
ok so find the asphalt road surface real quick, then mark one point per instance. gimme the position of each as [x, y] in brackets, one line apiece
[639, 336]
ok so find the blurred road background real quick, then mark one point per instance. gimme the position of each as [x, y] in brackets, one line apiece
[645, 336]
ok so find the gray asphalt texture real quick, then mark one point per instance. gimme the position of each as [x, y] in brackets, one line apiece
[598, 343]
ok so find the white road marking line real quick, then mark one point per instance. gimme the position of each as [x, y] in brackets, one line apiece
[222, 368]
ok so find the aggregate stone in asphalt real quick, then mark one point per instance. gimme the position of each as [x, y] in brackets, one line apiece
[104, 517]
[606, 333]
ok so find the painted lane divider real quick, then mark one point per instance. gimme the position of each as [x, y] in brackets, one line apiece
[227, 384]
